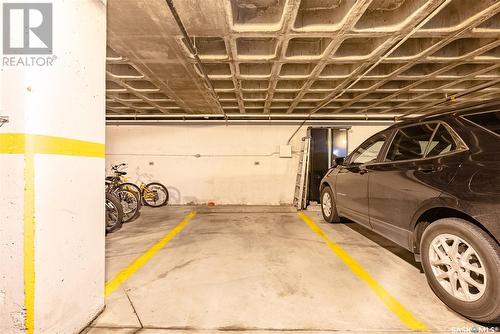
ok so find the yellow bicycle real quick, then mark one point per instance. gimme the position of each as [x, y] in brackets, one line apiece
[152, 194]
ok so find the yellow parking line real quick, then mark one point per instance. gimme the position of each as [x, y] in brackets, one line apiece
[125, 274]
[390, 302]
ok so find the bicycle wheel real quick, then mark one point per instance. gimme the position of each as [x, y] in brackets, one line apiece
[114, 213]
[155, 194]
[130, 203]
[134, 188]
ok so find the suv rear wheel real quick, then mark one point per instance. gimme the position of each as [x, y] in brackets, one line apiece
[462, 265]
[328, 207]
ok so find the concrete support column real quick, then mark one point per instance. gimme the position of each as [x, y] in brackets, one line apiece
[52, 88]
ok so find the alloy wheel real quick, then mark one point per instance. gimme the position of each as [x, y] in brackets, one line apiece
[457, 267]
[326, 204]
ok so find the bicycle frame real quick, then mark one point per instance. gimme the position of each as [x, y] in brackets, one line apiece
[119, 179]
[146, 193]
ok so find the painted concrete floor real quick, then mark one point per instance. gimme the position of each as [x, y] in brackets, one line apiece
[260, 270]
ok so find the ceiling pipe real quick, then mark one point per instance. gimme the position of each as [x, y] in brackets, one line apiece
[451, 98]
[387, 54]
[193, 51]
[460, 106]
[300, 117]
[391, 50]
[332, 123]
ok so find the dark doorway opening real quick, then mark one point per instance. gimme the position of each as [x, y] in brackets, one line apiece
[326, 145]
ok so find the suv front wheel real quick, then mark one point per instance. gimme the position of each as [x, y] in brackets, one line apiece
[328, 207]
[462, 265]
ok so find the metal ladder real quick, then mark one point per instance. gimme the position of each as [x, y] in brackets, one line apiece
[301, 183]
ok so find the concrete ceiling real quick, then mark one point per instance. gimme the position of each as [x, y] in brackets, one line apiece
[292, 58]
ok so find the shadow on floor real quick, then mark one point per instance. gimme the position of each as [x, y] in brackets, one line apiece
[392, 247]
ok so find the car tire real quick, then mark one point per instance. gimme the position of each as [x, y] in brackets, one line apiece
[328, 208]
[457, 251]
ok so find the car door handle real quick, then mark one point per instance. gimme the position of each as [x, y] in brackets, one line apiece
[426, 169]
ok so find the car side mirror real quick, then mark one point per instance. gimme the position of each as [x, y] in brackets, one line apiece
[339, 161]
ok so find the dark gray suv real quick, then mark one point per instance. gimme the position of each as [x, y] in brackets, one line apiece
[432, 185]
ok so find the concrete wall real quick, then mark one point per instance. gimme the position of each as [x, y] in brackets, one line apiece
[11, 243]
[59, 244]
[237, 164]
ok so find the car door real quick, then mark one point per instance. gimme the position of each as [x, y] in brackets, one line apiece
[351, 186]
[412, 171]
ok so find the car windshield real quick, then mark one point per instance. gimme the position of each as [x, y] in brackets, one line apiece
[369, 150]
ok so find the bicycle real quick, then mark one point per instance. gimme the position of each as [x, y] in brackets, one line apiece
[130, 200]
[119, 178]
[114, 213]
[153, 194]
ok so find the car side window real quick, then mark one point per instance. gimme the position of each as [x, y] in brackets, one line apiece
[441, 143]
[369, 150]
[411, 142]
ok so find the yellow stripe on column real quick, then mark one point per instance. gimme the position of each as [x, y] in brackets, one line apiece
[19, 143]
[29, 241]
[30, 145]
[12, 143]
[390, 302]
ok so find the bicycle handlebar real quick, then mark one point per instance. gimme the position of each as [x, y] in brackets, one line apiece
[115, 167]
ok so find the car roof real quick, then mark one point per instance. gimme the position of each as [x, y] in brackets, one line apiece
[453, 112]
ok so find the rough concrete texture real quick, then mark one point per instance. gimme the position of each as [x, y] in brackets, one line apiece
[293, 57]
[259, 270]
